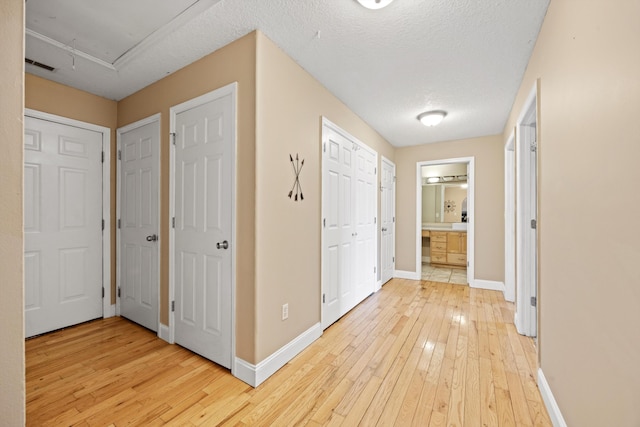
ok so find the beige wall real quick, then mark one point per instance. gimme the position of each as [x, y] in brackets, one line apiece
[290, 104]
[53, 98]
[232, 63]
[588, 62]
[12, 388]
[489, 201]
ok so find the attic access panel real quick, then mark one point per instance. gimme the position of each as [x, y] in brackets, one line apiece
[102, 29]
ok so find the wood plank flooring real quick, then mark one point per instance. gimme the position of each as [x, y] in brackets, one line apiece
[433, 355]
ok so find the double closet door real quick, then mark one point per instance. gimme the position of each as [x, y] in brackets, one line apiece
[349, 222]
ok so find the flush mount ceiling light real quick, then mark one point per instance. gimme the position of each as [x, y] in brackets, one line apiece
[433, 179]
[432, 118]
[374, 4]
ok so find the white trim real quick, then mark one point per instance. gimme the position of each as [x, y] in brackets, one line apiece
[254, 375]
[489, 285]
[111, 312]
[410, 275]
[164, 333]
[156, 118]
[526, 246]
[230, 89]
[509, 220]
[470, 161]
[107, 310]
[549, 401]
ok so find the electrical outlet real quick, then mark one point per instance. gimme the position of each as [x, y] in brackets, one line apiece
[285, 311]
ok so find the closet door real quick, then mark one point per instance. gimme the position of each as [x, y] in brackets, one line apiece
[349, 223]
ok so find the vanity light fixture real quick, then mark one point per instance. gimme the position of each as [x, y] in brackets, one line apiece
[448, 178]
[374, 4]
[433, 179]
[432, 118]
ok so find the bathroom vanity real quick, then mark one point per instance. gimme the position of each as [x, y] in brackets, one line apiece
[447, 247]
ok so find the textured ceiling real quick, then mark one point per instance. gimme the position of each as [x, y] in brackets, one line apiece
[465, 57]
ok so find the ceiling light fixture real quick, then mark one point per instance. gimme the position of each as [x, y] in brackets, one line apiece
[432, 118]
[433, 179]
[374, 4]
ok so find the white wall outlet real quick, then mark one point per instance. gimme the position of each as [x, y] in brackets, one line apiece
[285, 311]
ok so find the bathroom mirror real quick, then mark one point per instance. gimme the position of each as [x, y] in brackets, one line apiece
[444, 193]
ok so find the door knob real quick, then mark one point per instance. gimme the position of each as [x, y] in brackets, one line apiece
[152, 238]
[384, 229]
[223, 245]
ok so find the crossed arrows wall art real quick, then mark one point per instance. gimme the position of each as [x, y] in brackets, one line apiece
[297, 167]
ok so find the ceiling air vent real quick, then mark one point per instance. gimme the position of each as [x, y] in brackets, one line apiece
[38, 64]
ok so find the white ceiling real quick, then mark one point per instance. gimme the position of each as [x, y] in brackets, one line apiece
[463, 56]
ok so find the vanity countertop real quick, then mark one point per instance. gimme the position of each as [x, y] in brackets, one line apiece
[448, 227]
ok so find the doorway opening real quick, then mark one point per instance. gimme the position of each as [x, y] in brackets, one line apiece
[444, 219]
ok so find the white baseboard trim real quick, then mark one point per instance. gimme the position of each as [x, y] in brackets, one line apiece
[488, 285]
[411, 275]
[254, 375]
[164, 333]
[550, 402]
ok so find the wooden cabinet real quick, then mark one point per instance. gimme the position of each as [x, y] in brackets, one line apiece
[449, 248]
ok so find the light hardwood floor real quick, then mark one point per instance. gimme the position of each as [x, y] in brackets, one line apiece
[432, 355]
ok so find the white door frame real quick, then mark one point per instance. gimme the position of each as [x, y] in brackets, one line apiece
[510, 219]
[470, 161]
[384, 160]
[108, 310]
[232, 89]
[526, 245]
[140, 123]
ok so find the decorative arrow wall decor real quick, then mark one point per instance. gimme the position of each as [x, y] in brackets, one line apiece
[297, 167]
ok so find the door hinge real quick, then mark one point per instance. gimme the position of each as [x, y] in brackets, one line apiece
[103, 157]
[375, 171]
[119, 154]
[394, 219]
[393, 259]
[102, 292]
[173, 138]
[375, 219]
[173, 306]
[394, 179]
[103, 225]
[119, 223]
[374, 270]
[324, 147]
[173, 222]
[324, 222]
[118, 291]
[323, 298]
[534, 301]
[534, 224]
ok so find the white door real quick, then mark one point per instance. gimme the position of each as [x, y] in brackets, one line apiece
[138, 223]
[339, 229]
[349, 241]
[204, 145]
[526, 227]
[387, 220]
[62, 225]
[365, 222]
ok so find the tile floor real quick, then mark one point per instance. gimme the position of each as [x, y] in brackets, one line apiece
[444, 275]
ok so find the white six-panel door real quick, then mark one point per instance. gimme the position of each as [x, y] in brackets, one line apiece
[387, 220]
[349, 223]
[204, 144]
[139, 146]
[62, 225]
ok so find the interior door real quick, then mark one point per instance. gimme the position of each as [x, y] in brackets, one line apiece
[387, 221]
[62, 225]
[204, 135]
[339, 229]
[139, 165]
[365, 223]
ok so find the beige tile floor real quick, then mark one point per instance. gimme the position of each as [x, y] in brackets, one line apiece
[444, 275]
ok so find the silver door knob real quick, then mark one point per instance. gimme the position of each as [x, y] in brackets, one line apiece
[152, 238]
[223, 245]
